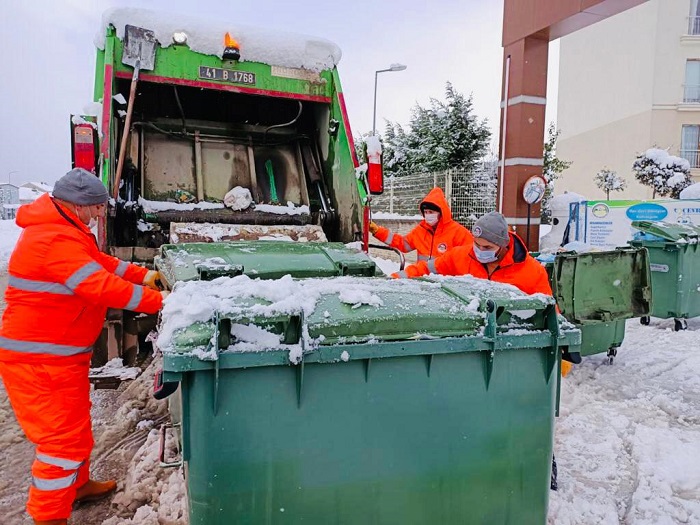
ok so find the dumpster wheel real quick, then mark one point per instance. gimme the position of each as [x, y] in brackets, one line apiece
[612, 353]
[645, 320]
[680, 324]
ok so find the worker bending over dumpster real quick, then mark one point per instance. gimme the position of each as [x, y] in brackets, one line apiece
[435, 235]
[58, 292]
[496, 254]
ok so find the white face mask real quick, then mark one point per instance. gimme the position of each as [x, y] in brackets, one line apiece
[485, 256]
[431, 217]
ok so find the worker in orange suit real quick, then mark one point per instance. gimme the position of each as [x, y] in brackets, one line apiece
[435, 235]
[497, 255]
[59, 288]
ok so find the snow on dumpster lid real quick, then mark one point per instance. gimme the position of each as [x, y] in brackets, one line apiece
[206, 36]
[330, 311]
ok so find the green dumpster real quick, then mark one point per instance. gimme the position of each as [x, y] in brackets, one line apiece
[409, 402]
[262, 259]
[599, 291]
[674, 258]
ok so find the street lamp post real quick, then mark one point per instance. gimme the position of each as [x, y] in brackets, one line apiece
[9, 176]
[393, 67]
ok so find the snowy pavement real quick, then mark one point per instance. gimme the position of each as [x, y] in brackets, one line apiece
[628, 435]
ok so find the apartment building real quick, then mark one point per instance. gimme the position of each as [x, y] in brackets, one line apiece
[626, 84]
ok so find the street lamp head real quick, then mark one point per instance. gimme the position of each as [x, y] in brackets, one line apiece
[397, 67]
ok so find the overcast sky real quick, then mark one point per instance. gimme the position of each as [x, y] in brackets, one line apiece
[48, 61]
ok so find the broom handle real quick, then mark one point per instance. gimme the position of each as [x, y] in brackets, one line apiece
[125, 134]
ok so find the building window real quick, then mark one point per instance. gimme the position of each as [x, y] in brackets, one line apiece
[694, 18]
[691, 92]
[690, 145]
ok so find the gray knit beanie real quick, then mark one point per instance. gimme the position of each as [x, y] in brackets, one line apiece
[492, 227]
[80, 187]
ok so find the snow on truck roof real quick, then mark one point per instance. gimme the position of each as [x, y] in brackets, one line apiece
[206, 36]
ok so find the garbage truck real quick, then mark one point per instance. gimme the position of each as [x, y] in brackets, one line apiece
[188, 111]
[303, 385]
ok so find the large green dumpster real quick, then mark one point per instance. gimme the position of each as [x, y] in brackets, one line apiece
[410, 402]
[674, 255]
[599, 291]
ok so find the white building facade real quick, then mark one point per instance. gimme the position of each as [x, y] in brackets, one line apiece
[626, 84]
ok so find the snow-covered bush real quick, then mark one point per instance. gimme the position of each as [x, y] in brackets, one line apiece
[666, 174]
[608, 180]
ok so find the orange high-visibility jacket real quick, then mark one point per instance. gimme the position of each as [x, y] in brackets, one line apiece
[60, 287]
[428, 241]
[518, 267]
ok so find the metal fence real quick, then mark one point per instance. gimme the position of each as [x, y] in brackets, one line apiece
[470, 194]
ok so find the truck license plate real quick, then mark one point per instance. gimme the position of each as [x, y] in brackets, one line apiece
[227, 75]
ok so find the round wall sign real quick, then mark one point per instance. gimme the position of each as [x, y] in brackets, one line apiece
[533, 190]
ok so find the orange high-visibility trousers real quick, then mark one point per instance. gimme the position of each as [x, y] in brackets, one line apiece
[52, 405]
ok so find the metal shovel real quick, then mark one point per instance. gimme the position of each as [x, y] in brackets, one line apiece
[139, 52]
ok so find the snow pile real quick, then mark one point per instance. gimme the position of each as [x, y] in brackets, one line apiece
[387, 266]
[560, 209]
[238, 198]
[156, 206]
[289, 209]
[628, 436]
[9, 233]
[157, 495]
[192, 306]
[206, 36]
[691, 192]
[115, 368]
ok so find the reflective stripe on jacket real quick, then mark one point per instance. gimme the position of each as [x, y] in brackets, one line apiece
[61, 285]
[428, 241]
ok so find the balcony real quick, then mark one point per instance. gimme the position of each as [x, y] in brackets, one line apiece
[691, 94]
[692, 156]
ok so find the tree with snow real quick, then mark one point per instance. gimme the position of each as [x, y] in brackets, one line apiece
[608, 180]
[445, 135]
[666, 174]
[552, 168]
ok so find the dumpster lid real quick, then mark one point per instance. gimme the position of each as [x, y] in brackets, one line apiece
[263, 259]
[602, 286]
[299, 315]
[673, 232]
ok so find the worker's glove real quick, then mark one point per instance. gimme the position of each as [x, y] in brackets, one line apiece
[152, 280]
[373, 227]
[164, 294]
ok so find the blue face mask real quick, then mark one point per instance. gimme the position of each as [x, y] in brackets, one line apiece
[485, 256]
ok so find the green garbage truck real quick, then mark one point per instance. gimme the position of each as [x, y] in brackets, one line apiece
[304, 386]
[208, 131]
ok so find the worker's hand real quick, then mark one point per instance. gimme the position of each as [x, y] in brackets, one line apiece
[152, 280]
[164, 294]
[373, 227]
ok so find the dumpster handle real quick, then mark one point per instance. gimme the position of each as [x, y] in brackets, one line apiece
[161, 453]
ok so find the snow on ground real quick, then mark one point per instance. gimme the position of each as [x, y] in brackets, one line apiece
[628, 435]
[9, 233]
